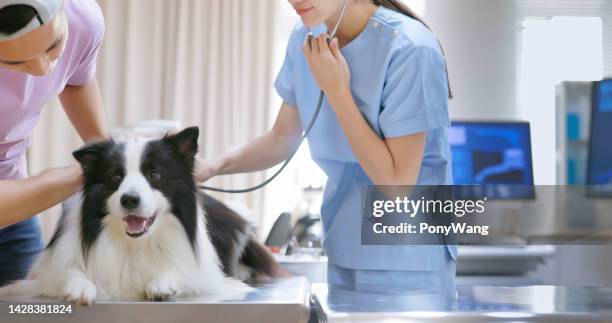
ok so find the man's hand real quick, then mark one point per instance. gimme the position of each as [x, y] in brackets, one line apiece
[24, 198]
[72, 174]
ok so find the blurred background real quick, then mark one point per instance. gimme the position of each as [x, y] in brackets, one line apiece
[212, 63]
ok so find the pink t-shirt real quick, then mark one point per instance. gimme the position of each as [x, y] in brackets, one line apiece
[22, 96]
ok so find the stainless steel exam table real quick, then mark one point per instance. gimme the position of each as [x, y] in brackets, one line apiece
[295, 300]
[285, 301]
[469, 304]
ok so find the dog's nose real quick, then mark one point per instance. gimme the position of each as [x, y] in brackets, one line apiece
[130, 201]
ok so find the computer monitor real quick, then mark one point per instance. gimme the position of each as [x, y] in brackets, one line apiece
[599, 174]
[492, 159]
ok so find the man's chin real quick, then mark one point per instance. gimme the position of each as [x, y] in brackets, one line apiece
[42, 73]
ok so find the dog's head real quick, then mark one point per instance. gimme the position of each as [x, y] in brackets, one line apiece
[131, 186]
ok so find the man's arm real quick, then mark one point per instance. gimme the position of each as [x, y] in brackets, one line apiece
[20, 199]
[83, 105]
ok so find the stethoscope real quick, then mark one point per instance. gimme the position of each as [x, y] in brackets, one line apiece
[306, 132]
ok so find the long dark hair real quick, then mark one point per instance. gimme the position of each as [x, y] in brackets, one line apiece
[405, 10]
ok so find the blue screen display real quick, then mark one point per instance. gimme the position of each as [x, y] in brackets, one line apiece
[600, 159]
[604, 101]
[494, 154]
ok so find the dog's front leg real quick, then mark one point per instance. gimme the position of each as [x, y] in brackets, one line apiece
[78, 289]
[163, 287]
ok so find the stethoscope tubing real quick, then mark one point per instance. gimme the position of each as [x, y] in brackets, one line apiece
[304, 136]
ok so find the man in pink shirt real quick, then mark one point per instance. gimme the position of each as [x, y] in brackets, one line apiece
[48, 49]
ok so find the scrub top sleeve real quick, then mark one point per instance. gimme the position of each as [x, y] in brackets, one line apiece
[415, 95]
[284, 82]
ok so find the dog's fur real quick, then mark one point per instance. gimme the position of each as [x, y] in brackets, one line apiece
[193, 245]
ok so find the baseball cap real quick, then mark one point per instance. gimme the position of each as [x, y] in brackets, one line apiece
[46, 10]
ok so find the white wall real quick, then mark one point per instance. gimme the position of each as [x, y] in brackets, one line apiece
[479, 37]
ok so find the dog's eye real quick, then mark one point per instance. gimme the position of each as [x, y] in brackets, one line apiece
[116, 178]
[155, 176]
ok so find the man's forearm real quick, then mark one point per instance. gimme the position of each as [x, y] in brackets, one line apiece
[83, 105]
[22, 199]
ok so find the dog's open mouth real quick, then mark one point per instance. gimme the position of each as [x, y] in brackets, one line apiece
[136, 226]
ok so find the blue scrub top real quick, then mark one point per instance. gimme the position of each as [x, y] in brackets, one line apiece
[399, 82]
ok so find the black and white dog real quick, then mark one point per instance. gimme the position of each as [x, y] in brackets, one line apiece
[141, 229]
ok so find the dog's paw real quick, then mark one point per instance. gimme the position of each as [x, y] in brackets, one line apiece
[162, 289]
[80, 291]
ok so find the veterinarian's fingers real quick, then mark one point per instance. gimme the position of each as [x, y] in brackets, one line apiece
[323, 45]
[315, 46]
[306, 47]
[307, 53]
[198, 170]
[204, 170]
[335, 48]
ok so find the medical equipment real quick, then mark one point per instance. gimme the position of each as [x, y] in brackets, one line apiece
[306, 132]
[492, 157]
[599, 173]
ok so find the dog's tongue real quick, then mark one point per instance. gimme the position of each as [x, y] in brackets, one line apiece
[135, 223]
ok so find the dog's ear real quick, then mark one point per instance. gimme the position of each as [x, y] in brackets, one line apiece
[89, 154]
[185, 142]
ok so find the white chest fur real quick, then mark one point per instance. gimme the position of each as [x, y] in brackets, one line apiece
[160, 264]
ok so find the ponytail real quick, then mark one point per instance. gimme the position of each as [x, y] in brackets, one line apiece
[398, 6]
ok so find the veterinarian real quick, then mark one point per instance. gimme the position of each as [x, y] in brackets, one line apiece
[48, 48]
[383, 122]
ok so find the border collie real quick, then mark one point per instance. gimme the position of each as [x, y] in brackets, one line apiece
[141, 229]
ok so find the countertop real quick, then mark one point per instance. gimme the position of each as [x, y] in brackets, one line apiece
[295, 300]
[467, 304]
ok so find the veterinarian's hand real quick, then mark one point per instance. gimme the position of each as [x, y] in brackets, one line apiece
[204, 170]
[328, 66]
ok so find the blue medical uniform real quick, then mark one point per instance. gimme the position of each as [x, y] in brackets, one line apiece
[399, 82]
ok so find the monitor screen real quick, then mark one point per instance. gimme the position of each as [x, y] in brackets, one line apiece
[493, 158]
[600, 153]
